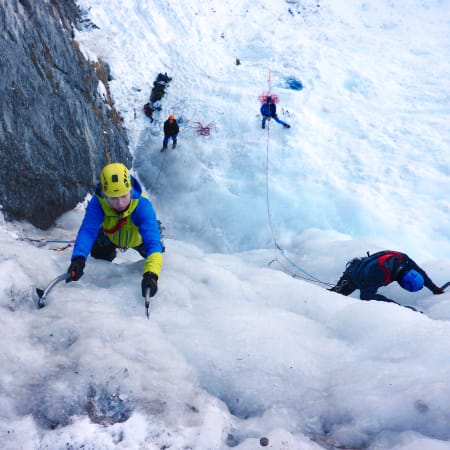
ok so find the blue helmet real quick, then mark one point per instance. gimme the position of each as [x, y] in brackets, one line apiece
[412, 281]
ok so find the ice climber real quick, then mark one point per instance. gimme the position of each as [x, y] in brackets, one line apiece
[119, 215]
[370, 273]
[268, 111]
[171, 130]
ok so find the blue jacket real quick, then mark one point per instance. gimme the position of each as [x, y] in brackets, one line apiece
[268, 109]
[135, 226]
[380, 269]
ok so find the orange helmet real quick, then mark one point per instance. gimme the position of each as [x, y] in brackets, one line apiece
[172, 117]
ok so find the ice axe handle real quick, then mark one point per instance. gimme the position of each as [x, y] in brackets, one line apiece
[147, 302]
[42, 294]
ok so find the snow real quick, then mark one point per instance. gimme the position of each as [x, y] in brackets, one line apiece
[244, 340]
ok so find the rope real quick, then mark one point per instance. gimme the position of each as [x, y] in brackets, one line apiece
[43, 241]
[159, 173]
[277, 248]
[203, 130]
[161, 166]
[269, 81]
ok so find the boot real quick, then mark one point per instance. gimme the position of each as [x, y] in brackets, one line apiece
[263, 126]
[286, 125]
[174, 144]
[164, 147]
[343, 287]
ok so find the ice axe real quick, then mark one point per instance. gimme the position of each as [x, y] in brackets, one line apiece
[147, 302]
[42, 294]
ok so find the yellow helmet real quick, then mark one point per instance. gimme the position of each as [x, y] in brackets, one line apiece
[115, 180]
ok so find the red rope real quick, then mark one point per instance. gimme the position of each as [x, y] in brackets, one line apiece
[203, 130]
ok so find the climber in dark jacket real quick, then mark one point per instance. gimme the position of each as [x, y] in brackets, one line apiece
[368, 274]
[171, 130]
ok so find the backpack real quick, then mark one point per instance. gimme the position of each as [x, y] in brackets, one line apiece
[379, 259]
[148, 110]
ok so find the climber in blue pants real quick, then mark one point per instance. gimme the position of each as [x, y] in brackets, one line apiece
[268, 111]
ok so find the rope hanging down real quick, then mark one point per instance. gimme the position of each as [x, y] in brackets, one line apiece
[277, 248]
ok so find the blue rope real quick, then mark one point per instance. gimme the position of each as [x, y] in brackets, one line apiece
[276, 246]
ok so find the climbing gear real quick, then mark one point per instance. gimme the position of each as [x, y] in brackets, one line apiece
[279, 255]
[412, 281]
[149, 288]
[381, 258]
[42, 293]
[147, 302]
[115, 180]
[203, 130]
[277, 249]
[43, 241]
[116, 227]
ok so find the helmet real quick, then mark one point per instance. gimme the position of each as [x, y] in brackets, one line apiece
[412, 281]
[115, 180]
[172, 117]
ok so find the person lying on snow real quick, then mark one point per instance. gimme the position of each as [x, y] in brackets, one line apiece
[119, 215]
[370, 273]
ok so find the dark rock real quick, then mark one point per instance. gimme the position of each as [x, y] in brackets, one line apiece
[107, 408]
[56, 132]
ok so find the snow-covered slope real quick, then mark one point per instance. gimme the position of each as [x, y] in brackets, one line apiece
[236, 348]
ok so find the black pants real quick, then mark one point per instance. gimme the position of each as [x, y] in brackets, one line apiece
[345, 285]
[103, 248]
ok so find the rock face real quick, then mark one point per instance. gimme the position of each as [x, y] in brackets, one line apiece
[56, 130]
